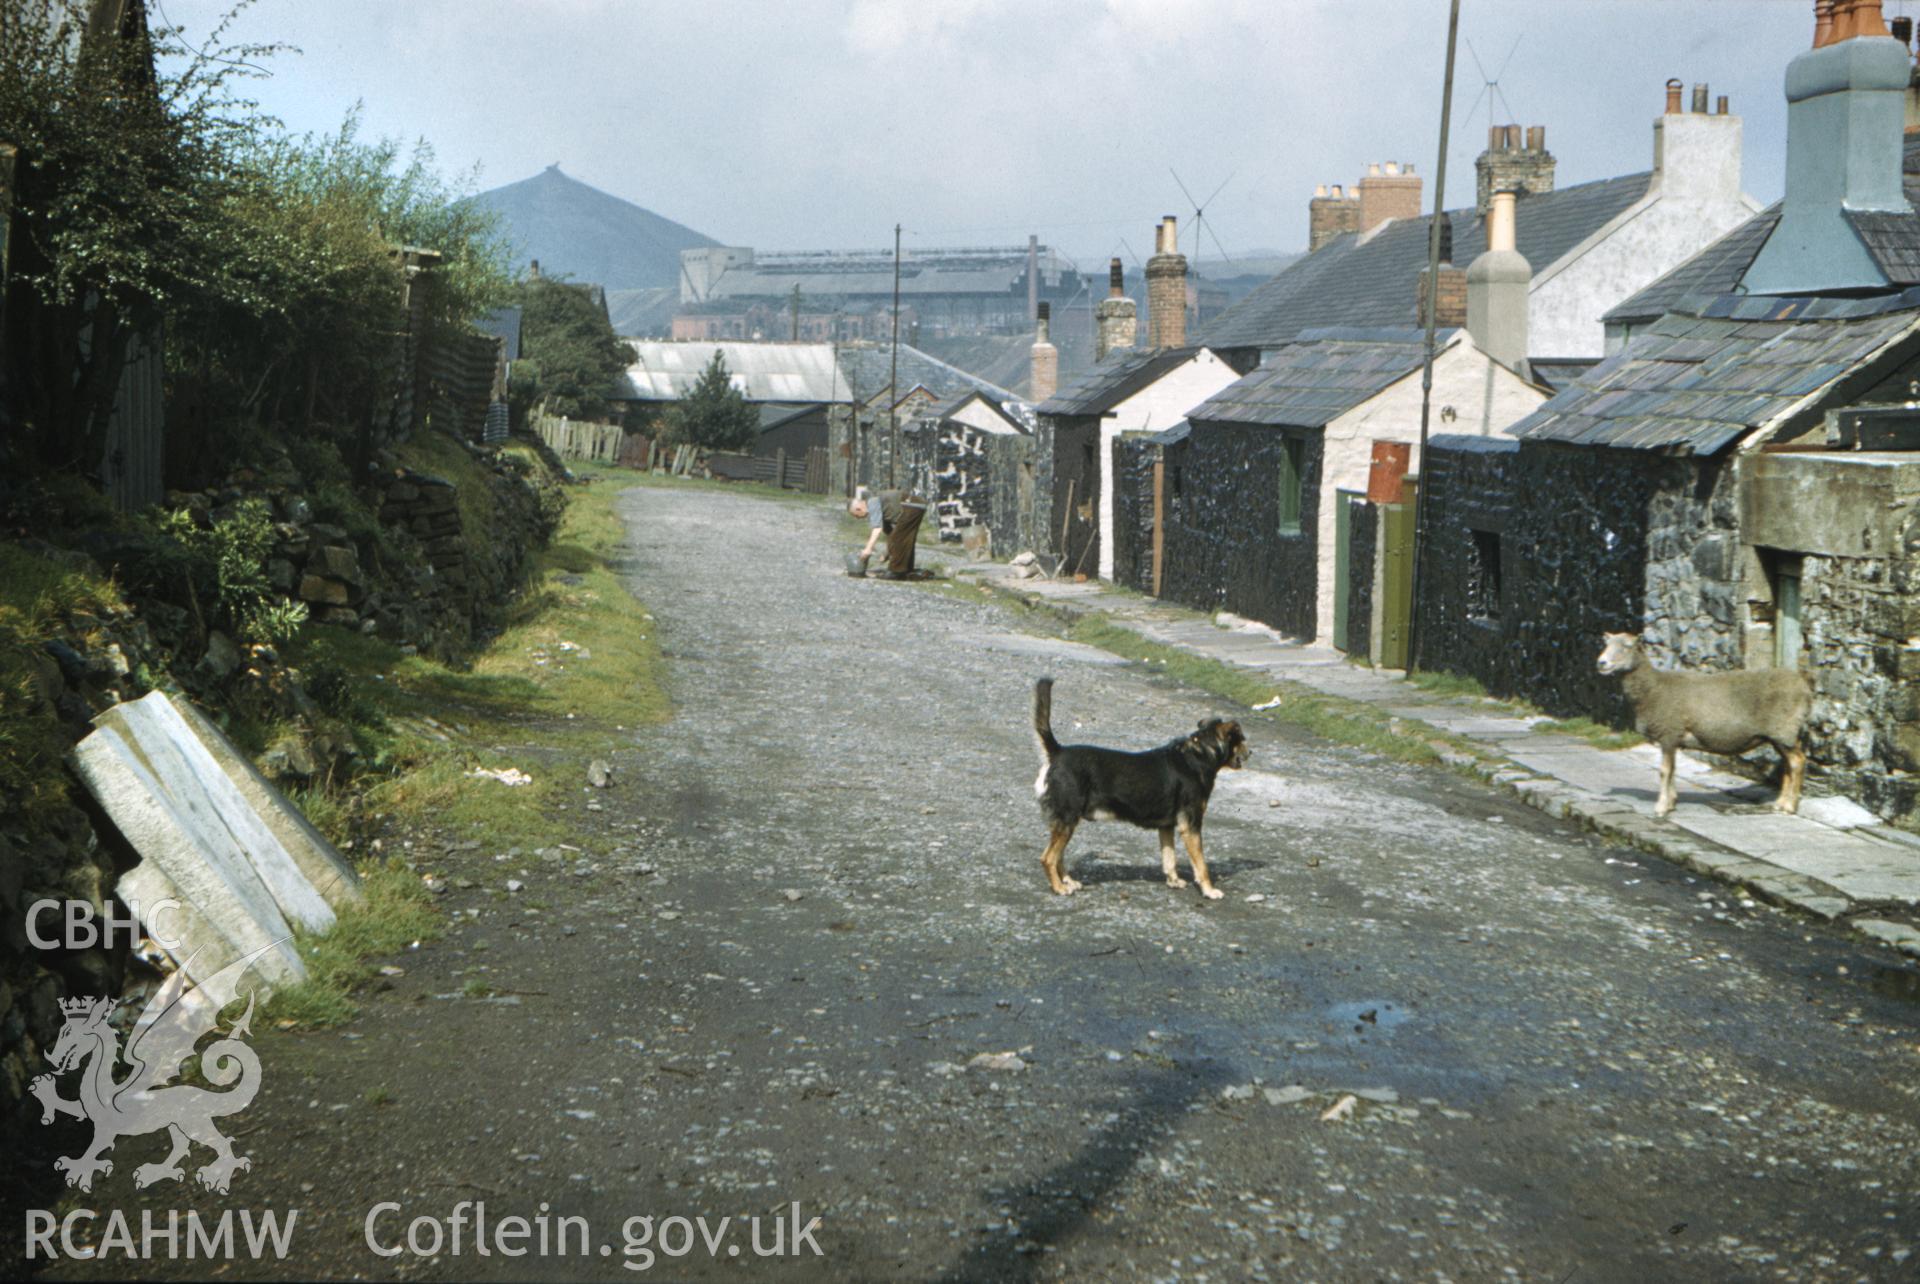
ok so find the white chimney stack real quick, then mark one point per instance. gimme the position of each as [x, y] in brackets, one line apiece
[1497, 288]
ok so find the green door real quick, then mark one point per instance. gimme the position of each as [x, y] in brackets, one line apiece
[1342, 561]
[1396, 584]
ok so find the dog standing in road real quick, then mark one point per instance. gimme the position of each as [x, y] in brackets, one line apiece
[1165, 789]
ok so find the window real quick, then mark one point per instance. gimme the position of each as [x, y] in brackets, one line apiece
[1292, 484]
[1483, 577]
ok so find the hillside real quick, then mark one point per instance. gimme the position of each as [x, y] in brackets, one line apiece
[584, 233]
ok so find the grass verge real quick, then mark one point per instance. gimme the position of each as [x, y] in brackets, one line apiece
[576, 665]
[1597, 734]
[1324, 715]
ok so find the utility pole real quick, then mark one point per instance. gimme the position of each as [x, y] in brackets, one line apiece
[893, 369]
[1433, 314]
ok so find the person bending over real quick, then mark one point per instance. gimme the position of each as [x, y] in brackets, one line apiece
[894, 515]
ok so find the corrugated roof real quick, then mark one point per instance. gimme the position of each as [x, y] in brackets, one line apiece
[1892, 239]
[1371, 281]
[664, 371]
[1309, 383]
[1714, 369]
[1111, 382]
[792, 372]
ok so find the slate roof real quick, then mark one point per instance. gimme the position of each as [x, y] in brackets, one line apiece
[1311, 382]
[1892, 239]
[1007, 410]
[1371, 281]
[864, 368]
[1713, 370]
[1556, 373]
[1114, 380]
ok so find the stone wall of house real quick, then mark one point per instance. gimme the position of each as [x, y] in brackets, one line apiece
[1363, 538]
[1587, 541]
[1223, 549]
[949, 465]
[1861, 620]
[1132, 472]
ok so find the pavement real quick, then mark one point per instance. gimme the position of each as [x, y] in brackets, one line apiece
[1834, 859]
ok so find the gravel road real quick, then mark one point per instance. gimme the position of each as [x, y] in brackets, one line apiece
[1544, 1058]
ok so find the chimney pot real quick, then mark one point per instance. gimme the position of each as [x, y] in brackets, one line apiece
[1822, 23]
[1673, 96]
[1720, 105]
[1044, 310]
[1321, 190]
[1496, 138]
[1407, 168]
[1700, 99]
[1393, 167]
[1500, 223]
[1902, 29]
[1536, 138]
[1116, 280]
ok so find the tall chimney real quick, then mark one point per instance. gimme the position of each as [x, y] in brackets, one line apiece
[1453, 286]
[1043, 369]
[1516, 160]
[1497, 286]
[1115, 326]
[1696, 154]
[1388, 191]
[1167, 288]
[1846, 110]
[1331, 214]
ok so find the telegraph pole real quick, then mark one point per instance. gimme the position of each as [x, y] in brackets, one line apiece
[893, 369]
[1433, 314]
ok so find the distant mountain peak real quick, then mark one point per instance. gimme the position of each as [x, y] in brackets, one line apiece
[576, 230]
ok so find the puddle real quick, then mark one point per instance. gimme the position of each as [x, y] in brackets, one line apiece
[1896, 983]
[1369, 1012]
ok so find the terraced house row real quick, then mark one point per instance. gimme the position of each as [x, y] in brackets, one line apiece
[1655, 407]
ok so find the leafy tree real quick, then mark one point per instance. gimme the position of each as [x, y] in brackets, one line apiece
[571, 359]
[713, 414]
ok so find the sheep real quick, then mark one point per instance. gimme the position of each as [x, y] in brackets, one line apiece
[1719, 712]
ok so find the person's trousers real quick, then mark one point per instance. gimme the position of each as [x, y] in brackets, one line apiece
[903, 535]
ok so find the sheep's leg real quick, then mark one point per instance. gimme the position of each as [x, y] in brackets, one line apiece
[1668, 794]
[1791, 778]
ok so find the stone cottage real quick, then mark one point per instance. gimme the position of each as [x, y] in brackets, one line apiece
[1741, 481]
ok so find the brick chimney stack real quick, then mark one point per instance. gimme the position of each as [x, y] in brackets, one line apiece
[1167, 288]
[1453, 286]
[1388, 191]
[1497, 288]
[1043, 371]
[1330, 214]
[1115, 327]
[1516, 161]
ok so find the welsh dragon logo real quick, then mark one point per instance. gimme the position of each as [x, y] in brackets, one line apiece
[148, 1099]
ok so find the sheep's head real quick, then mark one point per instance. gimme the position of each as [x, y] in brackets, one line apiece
[1620, 654]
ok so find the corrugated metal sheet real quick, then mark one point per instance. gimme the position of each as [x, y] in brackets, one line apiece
[136, 428]
[762, 371]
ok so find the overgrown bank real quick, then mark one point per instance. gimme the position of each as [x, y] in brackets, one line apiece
[373, 712]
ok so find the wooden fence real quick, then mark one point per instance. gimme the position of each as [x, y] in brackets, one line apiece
[789, 472]
[580, 438]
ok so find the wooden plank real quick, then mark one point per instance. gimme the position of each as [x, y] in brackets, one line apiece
[1396, 584]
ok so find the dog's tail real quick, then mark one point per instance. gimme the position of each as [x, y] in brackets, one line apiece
[1043, 718]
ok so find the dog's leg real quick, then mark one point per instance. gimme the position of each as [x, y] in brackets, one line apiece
[1167, 859]
[1198, 859]
[1054, 860]
[1791, 779]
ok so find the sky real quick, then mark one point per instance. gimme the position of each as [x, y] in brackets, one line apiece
[819, 124]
